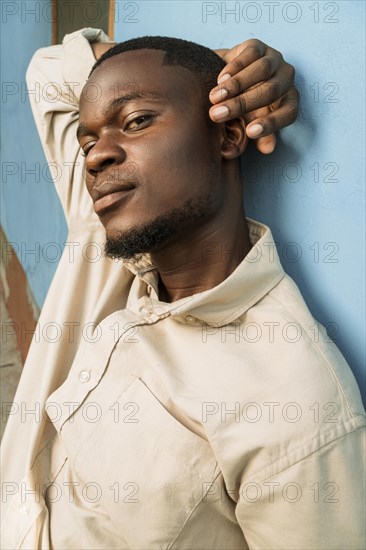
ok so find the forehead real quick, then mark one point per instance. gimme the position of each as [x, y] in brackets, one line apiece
[136, 71]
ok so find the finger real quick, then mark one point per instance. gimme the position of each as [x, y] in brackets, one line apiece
[242, 56]
[273, 121]
[254, 128]
[257, 45]
[262, 95]
[258, 113]
[259, 71]
[268, 93]
[239, 106]
[266, 145]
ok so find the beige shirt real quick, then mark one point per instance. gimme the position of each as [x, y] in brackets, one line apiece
[225, 420]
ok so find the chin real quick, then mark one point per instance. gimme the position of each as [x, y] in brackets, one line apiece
[115, 228]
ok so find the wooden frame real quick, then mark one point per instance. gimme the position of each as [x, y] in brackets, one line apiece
[111, 19]
[54, 21]
[55, 11]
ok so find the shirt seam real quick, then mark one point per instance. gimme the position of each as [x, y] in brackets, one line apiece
[192, 511]
[308, 455]
[318, 348]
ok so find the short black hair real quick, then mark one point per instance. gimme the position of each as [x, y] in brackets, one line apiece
[204, 63]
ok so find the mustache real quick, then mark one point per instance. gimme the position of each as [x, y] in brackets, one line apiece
[114, 181]
[125, 173]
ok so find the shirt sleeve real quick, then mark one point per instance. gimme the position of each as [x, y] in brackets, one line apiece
[317, 503]
[55, 78]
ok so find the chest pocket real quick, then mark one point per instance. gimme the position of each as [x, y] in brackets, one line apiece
[145, 469]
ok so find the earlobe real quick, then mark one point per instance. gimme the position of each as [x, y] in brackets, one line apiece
[235, 139]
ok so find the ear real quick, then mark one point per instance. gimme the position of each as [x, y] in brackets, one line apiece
[234, 140]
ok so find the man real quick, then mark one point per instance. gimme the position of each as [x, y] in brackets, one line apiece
[175, 426]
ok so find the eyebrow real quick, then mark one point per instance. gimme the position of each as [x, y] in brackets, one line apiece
[126, 98]
[119, 102]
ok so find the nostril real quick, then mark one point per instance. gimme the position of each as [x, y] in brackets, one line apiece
[95, 168]
[106, 162]
[92, 172]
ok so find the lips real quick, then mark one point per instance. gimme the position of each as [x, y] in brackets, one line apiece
[111, 194]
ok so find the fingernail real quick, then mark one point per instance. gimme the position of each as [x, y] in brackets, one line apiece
[218, 95]
[220, 112]
[255, 131]
[224, 77]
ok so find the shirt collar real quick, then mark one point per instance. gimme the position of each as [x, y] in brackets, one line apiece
[254, 277]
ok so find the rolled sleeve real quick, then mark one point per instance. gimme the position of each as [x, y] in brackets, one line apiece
[56, 76]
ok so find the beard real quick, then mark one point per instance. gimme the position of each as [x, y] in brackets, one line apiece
[156, 234]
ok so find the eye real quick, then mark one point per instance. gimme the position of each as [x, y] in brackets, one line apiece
[86, 150]
[139, 122]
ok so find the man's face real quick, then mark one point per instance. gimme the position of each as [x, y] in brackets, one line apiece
[152, 153]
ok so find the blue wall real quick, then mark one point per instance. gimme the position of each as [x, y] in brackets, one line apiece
[310, 191]
[30, 211]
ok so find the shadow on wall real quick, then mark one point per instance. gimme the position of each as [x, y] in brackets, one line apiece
[19, 314]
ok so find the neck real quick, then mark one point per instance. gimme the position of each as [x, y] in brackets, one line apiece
[202, 260]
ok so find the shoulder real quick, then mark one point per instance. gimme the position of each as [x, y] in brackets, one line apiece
[287, 391]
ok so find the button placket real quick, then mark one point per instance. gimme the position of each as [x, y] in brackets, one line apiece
[23, 508]
[84, 376]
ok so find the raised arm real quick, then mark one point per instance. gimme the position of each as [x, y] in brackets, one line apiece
[99, 48]
[55, 78]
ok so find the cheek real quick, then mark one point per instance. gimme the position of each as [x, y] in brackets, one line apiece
[179, 159]
[171, 167]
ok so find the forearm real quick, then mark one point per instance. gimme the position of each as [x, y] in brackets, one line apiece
[99, 48]
[55, 78]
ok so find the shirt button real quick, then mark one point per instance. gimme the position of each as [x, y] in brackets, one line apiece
[144, 311]
[84, 376]
[23, 508]
[190, 319]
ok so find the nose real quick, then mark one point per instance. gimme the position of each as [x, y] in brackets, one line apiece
[104, 154]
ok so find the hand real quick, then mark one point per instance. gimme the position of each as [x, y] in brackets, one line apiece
[258, 85]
